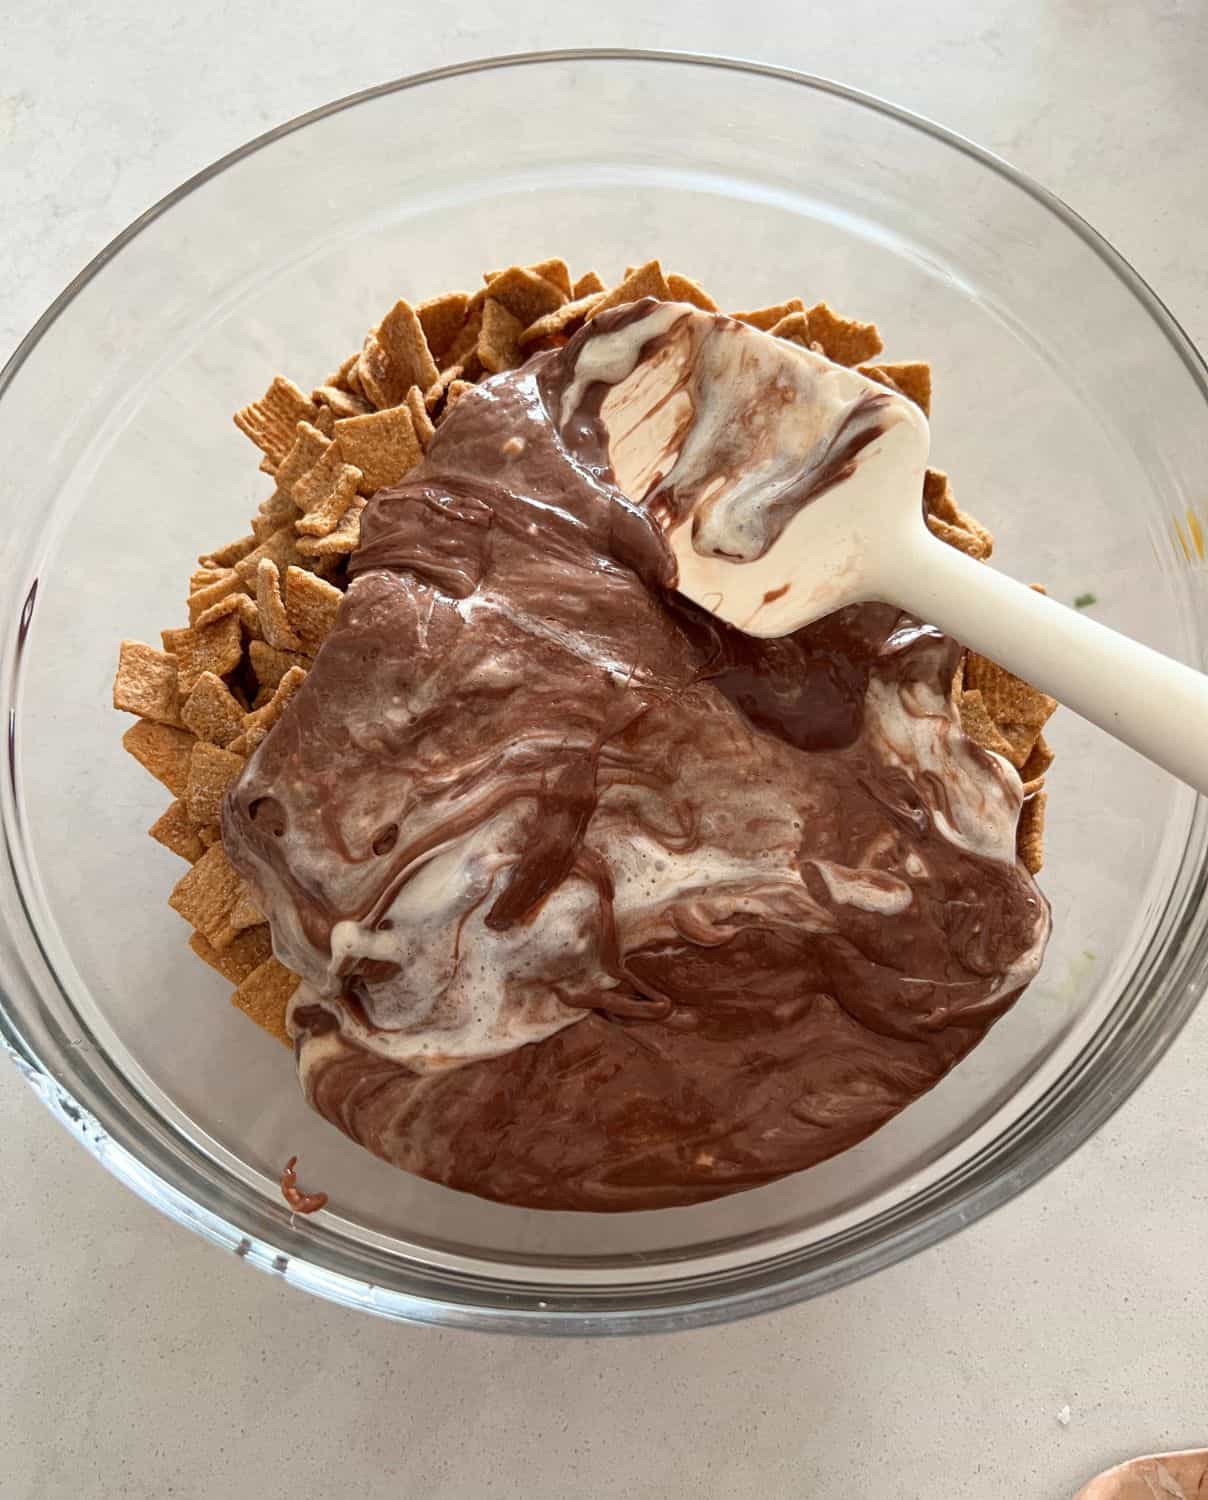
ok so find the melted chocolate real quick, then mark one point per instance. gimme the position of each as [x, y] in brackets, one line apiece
[300, 1202]
[601, 904]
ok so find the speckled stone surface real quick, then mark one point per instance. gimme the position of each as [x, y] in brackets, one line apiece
[136, 1360]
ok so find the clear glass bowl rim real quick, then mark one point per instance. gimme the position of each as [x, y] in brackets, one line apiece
[1136, 1035]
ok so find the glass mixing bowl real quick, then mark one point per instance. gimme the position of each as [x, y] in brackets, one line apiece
[1070, 410]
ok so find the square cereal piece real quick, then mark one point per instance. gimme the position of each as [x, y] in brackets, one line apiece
[435, 393]
[381, 386]
[311, 606]
[270, 666]
[174, 830]
[641, 281]
[270, 605]
[684, 289]
[465, 347]
[316, 483]
[980, 727]
[270, 422]
[240, 957]
[442, 318]
[228, 582]
[343, 378]
[206, 897]
[401, 334]
[214, 646]
[240, 607]
[795, 327]
[946, 520]
[146, 683]
[162, 750]
[1038, 761]
[337, 543]
[1029, 834]
[279, 508]
[264, 996]
[246, 913]
[587, 285]
[525, 295]
[257, 724]
[228, 556]
[938, 498]
[1019, 710]
[211, 771]
[396, 357]
[985, 539]
[201, 577]
[555, 270]
[350, 378]
[308, 448]
[324, 493]
[499, 340]
[383, 445]
[420, 420]
[456, 391]
[212, 711]
[911, 377]
[281, 546]
[766, 318]
[562, 319]
[843, 339]
[276, 511]
[342, 403]
[960, 537]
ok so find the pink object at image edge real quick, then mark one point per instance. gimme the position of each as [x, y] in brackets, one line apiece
[1156, 1476]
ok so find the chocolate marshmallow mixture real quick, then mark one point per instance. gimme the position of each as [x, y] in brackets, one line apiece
[598, 903]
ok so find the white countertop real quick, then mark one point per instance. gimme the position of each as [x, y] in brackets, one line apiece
[136, 1360]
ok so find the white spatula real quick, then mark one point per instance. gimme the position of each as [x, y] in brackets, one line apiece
[782, 509]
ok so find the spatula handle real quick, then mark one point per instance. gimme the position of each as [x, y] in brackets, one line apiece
[1155, 704]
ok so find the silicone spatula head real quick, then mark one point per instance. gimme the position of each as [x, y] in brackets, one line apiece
[788, 486]
[775, 474]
